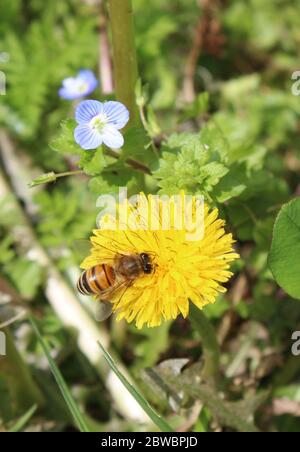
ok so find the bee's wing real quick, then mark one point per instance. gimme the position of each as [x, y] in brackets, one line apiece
[103, 310]
[82, 248]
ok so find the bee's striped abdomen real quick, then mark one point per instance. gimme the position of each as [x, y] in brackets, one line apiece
[96, 280]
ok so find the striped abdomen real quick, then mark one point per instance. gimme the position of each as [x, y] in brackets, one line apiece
[96, 280]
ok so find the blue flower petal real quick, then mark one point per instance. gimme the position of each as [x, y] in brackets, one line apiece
[69, 83]
[117, 114]
[65, 93]
[112, 137]
[77, 87]
[87, 110]
[87, 76]
[86, 137]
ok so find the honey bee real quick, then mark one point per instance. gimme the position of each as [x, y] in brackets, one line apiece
[105, 280]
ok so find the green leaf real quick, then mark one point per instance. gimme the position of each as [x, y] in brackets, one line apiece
[65, 143]
[198, 107]
[93, 162]
[22, 421]
[238, 414]
[26, 275]
[159, 380]
[111, 182]
[211, 349]
[231, 185]
[6, 405]
[154, 342]
[210, 174]
[158, 420]
[78, 418]
[137, 146]
[194, 162]
[284, 256]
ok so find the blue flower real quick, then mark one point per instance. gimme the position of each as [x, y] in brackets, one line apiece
[76, 87]
[100, 123]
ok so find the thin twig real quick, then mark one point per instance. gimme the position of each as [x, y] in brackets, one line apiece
[105, 60]
[13, 319]
[139, 166]
[188, 89]
[193, 417]
[207, 34]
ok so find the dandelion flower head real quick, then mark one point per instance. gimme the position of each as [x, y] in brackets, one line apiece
[184, 270]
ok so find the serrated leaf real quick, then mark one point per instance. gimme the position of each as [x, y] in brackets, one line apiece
[65, 143]
[137, 146]
[109, 183]
[232, 184]
[158, 379]
[238, 415]
[211, 174]
[92, 162]
[194, 162]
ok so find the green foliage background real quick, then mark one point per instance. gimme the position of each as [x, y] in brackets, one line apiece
[237, 144]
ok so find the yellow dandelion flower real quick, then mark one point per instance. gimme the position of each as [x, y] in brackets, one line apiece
[184, 269]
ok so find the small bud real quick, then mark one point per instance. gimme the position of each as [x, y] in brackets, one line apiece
[140, 95]
[43, 179]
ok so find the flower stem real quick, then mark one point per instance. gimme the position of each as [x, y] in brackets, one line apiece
[51, 177]
[135, 164]
[69, 173]
[124, 55]
[211, 350]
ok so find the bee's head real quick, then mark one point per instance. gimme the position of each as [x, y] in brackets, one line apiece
[146, 263]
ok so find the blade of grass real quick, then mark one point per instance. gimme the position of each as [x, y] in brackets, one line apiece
[156, 418]
[78, 418]
[22, 421]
